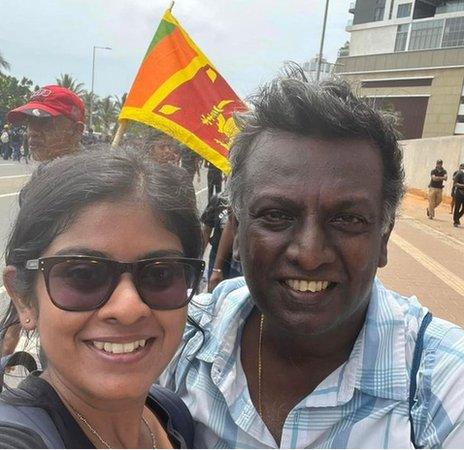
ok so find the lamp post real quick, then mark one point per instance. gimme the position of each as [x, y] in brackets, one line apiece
[93, 82]
[321, 49]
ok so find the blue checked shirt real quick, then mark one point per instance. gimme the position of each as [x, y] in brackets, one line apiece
[362, 404]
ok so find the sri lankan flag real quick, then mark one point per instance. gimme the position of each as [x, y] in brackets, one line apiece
[178, 91]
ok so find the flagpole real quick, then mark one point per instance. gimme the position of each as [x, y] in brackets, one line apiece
[119, 133]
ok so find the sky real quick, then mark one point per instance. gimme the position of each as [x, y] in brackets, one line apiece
[247, 40]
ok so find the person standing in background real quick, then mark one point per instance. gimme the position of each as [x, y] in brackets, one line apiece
[437, 176]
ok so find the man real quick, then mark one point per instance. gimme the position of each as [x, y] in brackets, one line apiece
[437, 176]
[310, 349]
[458, 183]
[214, 180]
[55, 122]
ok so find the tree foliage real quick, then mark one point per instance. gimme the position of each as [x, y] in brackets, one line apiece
[14, 92]
[67, 81]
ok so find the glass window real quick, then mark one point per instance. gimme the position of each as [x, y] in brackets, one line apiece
[453, 35]
[404, 10]
[378, 14]
[450, 6]
[426, 34]
[401, 38]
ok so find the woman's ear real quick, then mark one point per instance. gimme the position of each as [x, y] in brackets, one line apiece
[27, 314]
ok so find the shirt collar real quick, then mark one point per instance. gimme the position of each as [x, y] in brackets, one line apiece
[377, 363]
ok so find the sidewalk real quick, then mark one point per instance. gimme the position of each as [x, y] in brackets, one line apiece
[415, 207]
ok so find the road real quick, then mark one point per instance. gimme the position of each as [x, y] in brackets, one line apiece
[426, 257]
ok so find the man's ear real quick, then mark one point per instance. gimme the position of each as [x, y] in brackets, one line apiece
[383, 255]
[27, 314]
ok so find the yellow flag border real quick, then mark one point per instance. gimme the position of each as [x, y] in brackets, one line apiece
[178, 132]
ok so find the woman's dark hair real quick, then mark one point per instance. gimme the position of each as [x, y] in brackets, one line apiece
[60, 189]
[327, 110]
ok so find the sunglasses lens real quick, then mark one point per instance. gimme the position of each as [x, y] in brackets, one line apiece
[166, 285]
[79, 285]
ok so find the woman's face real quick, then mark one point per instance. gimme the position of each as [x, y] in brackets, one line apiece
[124, 231]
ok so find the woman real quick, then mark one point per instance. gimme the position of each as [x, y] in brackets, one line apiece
[102, 262]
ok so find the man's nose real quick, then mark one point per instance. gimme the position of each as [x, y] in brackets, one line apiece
[125, 304]
[311, 246]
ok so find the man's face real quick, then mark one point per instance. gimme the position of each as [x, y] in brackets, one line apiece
[312, 221]
[51, 137]
[439, 165]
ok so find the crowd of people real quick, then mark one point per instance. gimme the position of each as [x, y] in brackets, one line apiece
[306, 350]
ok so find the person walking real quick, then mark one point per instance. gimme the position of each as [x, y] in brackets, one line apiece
[458, 181]
[437, 176]
[214, 180]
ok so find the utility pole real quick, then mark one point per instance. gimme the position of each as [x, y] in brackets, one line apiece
[93, 83]
[321, 49]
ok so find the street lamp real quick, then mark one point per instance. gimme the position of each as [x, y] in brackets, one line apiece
[321, 49]
[93, 82]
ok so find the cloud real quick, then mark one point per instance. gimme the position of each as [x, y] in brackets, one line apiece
[247, 40]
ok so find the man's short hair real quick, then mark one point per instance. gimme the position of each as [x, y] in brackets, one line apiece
[327, 110]
[439, 161]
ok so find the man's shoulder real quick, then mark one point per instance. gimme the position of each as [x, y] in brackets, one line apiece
[226, 298]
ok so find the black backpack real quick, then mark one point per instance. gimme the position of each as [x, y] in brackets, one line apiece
[37, 419]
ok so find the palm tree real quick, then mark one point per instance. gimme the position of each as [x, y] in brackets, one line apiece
[106, 113]
[4, 64]
[119, 102]
[90, 100]
[69, 82]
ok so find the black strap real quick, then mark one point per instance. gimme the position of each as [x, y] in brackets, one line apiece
[415, 368]
[16, 359]
[181, 419]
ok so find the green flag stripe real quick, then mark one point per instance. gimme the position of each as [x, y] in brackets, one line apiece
[164, 29]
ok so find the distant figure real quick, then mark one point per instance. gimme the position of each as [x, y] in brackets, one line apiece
[458, 196]
[55, 122]
[190, 161]
[214, 180]
[437, 176]
[16, 141]
[5, 138]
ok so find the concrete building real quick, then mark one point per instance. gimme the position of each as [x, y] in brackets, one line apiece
[311, 66]
[408, 56]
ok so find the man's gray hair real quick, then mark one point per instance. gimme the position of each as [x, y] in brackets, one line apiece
[327, 110]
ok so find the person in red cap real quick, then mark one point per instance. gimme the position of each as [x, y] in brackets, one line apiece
[55, 122]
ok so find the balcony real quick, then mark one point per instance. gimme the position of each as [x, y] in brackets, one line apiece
[352, 8]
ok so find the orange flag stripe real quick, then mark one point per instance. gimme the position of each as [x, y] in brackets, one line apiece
[158, 66]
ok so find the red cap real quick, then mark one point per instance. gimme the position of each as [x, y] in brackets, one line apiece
[51, 101]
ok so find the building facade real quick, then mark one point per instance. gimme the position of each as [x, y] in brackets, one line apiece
[408, 57]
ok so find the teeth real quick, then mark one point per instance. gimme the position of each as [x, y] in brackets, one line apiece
[115, 347]
[307, 285]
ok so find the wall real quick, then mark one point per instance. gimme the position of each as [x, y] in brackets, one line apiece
[420, 156]
[370, 41]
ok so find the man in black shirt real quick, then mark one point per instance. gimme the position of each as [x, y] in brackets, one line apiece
[458, 196]
[437, 176]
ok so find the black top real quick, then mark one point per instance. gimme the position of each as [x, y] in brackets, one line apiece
[35, 391]
[215, 216]
[437, 173]
[459, 178]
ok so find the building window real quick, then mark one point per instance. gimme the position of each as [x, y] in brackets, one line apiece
[401, 38]
[378, 14]
[460, 119]
[450, 6]
[426, 35]
[404, 10]
[453, 35]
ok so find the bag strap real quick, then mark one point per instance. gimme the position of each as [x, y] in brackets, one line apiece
[31, 418]
[415, 369]
[180, 416]
[16, 359]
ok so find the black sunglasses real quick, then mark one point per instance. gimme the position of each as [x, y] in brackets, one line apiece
[85, 283]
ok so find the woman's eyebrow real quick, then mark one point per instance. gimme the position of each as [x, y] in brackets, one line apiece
[84, 251]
